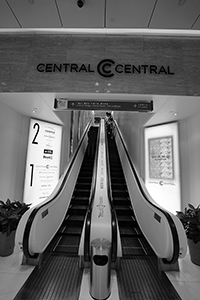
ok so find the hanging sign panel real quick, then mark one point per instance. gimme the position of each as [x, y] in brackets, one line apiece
[43, 161]
[137, 106]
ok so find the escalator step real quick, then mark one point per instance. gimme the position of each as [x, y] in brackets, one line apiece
[80, 200]
[115, 174]
[78, 209]
[123, 210]
[129, 232]
[70, 230]
[84, 179]
[84, 193]
[74, 220]
[124, 218]
[121, 201]
[132, 247]
[86, 173]
[118, 180]
[116, 169]
[83, 186]
[68, 244]
[119, 185]
[120, 193]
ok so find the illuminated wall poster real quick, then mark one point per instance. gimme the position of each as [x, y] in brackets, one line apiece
[161, 158]
[162, 170]
[43, 161]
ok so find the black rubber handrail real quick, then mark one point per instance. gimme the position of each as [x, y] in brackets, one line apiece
[30, 220]
[113, 211]
[91, 201]
[171, 223]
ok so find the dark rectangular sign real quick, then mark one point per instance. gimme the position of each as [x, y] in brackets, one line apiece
[137, 106]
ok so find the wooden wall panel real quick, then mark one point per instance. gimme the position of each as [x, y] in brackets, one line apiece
[21, 53]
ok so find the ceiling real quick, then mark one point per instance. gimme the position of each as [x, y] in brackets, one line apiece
[152, 14]
[107, 16]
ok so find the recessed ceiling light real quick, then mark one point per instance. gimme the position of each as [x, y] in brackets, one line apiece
[34, 110]
[181, 2]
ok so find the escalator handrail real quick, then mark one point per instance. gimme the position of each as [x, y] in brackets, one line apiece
[33, 214]
[91, 201]
[171, 223]
[113, 211]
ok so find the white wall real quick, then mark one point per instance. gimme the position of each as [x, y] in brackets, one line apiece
[189, 131]
[13, 141]
[130, 124]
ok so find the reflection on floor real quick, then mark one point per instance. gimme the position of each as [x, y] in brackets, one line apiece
[13, 275]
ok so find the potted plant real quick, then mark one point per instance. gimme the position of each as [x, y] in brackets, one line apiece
[10, 214]
[190, 219]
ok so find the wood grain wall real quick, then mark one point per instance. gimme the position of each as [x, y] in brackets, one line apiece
[21, 53]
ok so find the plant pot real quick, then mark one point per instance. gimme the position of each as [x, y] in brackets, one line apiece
[194, 250]
[7, 243]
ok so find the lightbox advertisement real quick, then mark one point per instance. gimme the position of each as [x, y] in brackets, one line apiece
[43, 161]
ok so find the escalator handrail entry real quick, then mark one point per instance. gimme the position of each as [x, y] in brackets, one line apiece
[171, 223]
[35, 211]
[91, 201]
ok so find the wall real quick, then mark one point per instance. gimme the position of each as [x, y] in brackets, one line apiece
[13, 147]
[162, 65]
[130, 125]
[189, 132]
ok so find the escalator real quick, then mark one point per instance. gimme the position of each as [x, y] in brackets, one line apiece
[59, 277]
[139, 277]
[71, 229]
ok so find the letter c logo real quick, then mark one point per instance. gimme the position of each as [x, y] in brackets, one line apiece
[103, 68]
[40, 68]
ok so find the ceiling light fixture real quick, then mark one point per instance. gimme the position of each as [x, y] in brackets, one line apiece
[34, 110]
[181, 2]
[80, 3]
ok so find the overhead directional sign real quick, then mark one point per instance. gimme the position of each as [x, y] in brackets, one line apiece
[137, 106]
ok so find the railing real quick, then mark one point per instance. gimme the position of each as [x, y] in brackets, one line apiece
[113, 212]
[89, 210]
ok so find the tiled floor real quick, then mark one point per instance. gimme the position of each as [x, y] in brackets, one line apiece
[13, 275]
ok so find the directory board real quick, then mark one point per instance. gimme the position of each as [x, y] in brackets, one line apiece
[43, 161]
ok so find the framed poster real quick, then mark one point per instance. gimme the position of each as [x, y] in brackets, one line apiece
[161, 158]
[43, 161]
[162, 170]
